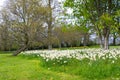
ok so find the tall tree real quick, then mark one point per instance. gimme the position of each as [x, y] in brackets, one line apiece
[4, 29]
[50, 26]
[99, 13]
[52, 8]
[26, 16]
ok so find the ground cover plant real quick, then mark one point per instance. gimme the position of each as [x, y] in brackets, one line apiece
[91, 64]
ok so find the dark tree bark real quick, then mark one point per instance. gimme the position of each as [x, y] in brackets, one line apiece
[19, 50]
[114, 39]
[50, 25]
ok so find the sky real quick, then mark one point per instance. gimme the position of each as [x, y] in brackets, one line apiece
[1, 3]
[60, 0]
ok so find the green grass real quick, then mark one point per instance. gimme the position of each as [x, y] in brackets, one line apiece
[85, 47]
[34, 68]
[91, 70]
[98, 46]
[27, 68]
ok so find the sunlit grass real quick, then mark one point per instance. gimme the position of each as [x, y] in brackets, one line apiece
[28, 68]
[92, 70]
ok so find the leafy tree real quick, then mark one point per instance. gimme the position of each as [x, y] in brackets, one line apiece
[4, 30]
[27, 16]
[99, 13]
[52, 11]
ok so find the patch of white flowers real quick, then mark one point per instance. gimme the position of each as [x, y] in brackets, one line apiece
[79, 54]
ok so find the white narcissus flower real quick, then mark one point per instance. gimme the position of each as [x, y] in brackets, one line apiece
[113, 61]
[65, 62]
[79, 54]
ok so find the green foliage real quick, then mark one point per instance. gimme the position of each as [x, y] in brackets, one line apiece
[118, 13]
[69, 3]
[96, 12]
[107, 19]
[70, 28]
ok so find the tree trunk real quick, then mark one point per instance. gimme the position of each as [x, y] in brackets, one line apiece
[49, 39]
[106, 43]
[59, 45]
[85, 40]
[101, 44]
[106, 37]
[5, 46]
[50, 26]
[19, 50]
[50, 47]
[114, 41]
[26, 44]
[101, 41]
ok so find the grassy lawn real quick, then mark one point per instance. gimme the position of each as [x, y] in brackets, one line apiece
[23, 68]
[84, 47]
[31, 67]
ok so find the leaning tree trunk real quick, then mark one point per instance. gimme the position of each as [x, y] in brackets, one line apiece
[19, 50]
[23, 48]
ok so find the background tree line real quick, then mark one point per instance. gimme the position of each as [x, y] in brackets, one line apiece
[32, 24]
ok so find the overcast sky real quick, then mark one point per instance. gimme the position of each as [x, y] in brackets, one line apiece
[1, 3]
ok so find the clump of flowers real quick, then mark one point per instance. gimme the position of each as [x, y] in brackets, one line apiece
[93, 63]
[79, 54]
[63, 57]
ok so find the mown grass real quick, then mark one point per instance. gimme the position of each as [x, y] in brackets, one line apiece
[28, 68]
